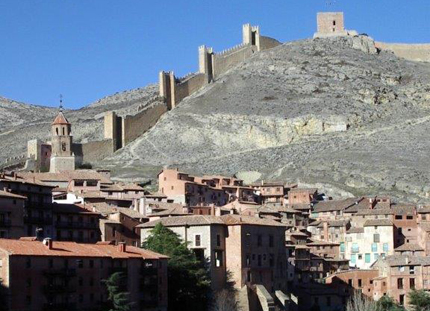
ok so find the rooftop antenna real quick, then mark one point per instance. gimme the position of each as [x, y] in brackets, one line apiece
[61, 103]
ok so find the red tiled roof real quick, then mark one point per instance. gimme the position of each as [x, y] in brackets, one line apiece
[73, 249]
[60, 119]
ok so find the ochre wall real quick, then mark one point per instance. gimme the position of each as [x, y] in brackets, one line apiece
[189, 86]
[415, 52]
[134, 126]
[224, 61]
[93, 151]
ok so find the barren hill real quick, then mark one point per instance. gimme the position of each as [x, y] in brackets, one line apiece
[21, 122]
[323, 112]
[318, 111]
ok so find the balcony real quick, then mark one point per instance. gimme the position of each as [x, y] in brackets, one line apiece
[58, 289]
[76, 225]
[60, 272]
[36, 220]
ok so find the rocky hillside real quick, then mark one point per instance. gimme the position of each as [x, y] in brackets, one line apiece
[324, 112]
[330, 113]
[21, 122]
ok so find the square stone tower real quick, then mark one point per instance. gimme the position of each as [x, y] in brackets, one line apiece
[330, 22]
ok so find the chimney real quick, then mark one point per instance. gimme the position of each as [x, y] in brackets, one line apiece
[122, 247]
[47, 242]
[325, 231]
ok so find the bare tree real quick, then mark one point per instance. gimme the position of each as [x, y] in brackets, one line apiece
[225, 300]
[358, 302]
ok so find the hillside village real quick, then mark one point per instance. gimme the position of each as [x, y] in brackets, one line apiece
[275, 244]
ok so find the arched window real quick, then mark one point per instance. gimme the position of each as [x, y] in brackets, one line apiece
[56, 130]
[64, 133]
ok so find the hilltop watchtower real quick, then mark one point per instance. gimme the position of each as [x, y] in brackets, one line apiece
[331, 24]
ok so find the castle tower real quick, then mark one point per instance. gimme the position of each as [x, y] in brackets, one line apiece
[62, 158]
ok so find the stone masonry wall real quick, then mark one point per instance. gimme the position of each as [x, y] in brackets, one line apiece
[93, 151]
[415, 52]
[189, 86]
[134, 126]
[224, 61]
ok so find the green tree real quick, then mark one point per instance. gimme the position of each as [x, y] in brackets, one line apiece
[188, 279]
[386, 303]
[118, 299]
[419, 300]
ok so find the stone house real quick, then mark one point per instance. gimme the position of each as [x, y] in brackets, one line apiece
[73, 222]
[363, 246]
[11, 215]
[401, 274]
[186, 189]
[37, 207]
[204, 235]
[53, 275]
[358, 279]
[302, 196]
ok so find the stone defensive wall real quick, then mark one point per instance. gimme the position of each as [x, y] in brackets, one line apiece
[93, 151]
[120, 131]
[414, 52]
[135, 126]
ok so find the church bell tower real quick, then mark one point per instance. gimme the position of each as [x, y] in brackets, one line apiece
[62, 157]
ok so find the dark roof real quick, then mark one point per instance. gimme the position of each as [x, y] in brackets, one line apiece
[6, 194]
[377, 211]
[355, 230]
[409, 247]
[378, 222]
[405, 260]
[334, 205]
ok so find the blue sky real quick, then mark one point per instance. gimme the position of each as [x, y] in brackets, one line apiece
[87, 49]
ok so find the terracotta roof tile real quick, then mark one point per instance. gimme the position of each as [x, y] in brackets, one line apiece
[60, 119]
[72, 249]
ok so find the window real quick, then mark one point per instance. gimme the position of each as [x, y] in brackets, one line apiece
[367, 258]
[401, 268]
[342, 247]
[248, 260]
[218, 240]
[218, 258]
[197, 240]
[328, 301]
[270, 240]
[271, 260]
[360, 283]
[398, 217]
[402, 299]
[400, 283]
[376, 256]
[353, 258]
[409, 217]
[385, 247]
[259, 260]
[360, 256]
[412, 270]
[412, 283]
[374, 247]
[350, 282]
[376, 238]
[259, 240]
[80, 263]
[355, 248]
[91, 263]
